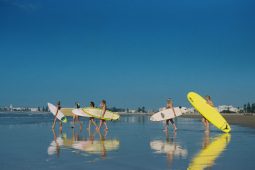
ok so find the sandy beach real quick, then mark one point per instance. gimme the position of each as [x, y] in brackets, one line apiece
[238, 119]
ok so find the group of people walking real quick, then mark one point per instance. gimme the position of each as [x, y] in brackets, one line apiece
[76, 117]
[103, 107]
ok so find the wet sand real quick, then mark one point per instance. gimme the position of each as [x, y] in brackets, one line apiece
[238, 119]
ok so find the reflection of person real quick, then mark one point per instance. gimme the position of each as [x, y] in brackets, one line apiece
[76, 117]
[55, 118]
[204, 120]
[92, 119]
[170, 106]
[56, 141]
[170, 154]
[102, 140]
[103, 107]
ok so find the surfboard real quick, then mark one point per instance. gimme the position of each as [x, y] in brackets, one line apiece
[168, 148]
[168, 114]
[97, 113]
[209, 112]
[67, 111]
[60, 116]
[79, 112]
[207, 156]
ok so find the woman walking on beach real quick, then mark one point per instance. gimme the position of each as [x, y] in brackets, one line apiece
[170, 106]
[103, 107]
[204, 120]
[55, 118]
[91, 119]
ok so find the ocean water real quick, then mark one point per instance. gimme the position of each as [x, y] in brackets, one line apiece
[133, 142]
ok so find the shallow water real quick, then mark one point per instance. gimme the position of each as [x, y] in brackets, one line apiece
[133, 142]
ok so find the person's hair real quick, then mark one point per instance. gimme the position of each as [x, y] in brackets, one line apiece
[104, 102]
[77, 104]
[58, 103]
[169, 100]
[208, 97]
[92, 104]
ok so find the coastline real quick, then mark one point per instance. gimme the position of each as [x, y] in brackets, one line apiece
[247, 120]
[235, 119]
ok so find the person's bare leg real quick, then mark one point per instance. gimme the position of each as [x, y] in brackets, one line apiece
[54, 124]
[207, 125]
[172, 121]
[204, 122]
[94, 123]
[106, 128]
[101, 122]
[60, 127]
[78, 120]
[166, 126]
[89, 124]
[74, 117]
[175, 128]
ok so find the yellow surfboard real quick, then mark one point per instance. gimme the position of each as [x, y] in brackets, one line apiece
[67, 111]
[209, 112]
[207, 156]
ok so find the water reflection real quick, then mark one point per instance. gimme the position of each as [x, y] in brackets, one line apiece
[141, 119]
[210, 151]
[76, 142]
[169, 147]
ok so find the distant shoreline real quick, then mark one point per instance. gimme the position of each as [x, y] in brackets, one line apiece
[247, 120]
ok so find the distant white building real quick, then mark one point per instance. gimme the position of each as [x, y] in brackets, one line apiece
[131, 111]
[11, 108]
[227, 108]
[34, 109]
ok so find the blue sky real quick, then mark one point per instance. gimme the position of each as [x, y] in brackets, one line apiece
[131, 53]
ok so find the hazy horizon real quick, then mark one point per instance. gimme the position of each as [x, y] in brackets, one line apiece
[131, 53]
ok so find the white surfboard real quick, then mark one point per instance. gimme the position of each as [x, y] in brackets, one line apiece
[168, 148]
[79, 112]
[60, 116]
[168, 114]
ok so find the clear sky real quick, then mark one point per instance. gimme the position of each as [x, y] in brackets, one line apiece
[129, 52]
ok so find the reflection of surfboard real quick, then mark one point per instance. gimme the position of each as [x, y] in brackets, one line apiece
[97, 113]
[96, 147]
[164, 147]
[168, 114]
[208, 155]
[52, 149]
[53, 110]
[79, 112]
[209, 112]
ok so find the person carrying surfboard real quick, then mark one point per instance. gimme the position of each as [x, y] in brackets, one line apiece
[55, 118]
[92, 119]
[103, 107]
[170, 106]
[76, 117]
[204, 120]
